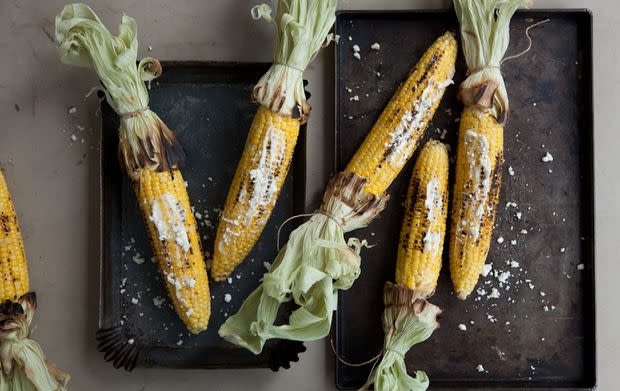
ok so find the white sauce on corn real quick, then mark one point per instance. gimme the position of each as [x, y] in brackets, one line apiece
[479, 161]
[432, 238]
[410, 121]
[169, 218]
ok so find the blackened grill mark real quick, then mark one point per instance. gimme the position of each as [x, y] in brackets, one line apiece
[493, 197]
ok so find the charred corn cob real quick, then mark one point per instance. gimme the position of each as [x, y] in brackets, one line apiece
[172, 229]
[255, 188]
[485, 36]
[401, 125]
[149, 153]
[22, 362]
[14, 282]
[302, 27]
[424, 225]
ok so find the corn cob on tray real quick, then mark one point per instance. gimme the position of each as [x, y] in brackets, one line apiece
[529, 322]
[208, 106]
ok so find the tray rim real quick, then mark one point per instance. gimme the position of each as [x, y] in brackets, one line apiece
[590, 289]
[108, 307]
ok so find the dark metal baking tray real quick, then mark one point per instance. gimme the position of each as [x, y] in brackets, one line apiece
[207, 104]
[550, 90]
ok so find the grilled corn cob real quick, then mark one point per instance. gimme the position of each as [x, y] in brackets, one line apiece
[408, 318]
[13, 268]
[149, 153]
[401, 125]
[302, 27]
[255, 188]
[172, 230]
[424, 224]
[22, 362]
[485, 36]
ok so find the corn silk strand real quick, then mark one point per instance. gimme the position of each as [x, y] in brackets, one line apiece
[316, 262]
[23, 366]
[301, 29]
[408, 319]
[145, 141]
[485, 36]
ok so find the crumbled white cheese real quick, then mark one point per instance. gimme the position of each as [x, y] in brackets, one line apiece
[122, 291]
[519, 214]
[513, 242]
[503, 277]
[524, 231]
[138, 259]
[375, 46]
[500, 240]
[357, 55]
[173, 226]
[543, 293]
[130, 341]
[229, 280]
[355, 98]
[356, 48]
[480, 368]
[531, 285]
[158, 301]
[189, 312]
[581, 266]
[198, 215]
[562, 250]
[494, 294]
[350, 39]
[514, 264]
[72, 110]
[462, 327]
[486, 269]
[547, 158]
[511, 171]
[180, 342]
[227, 297]
[134, 300]
[546, 308]
[73, 138]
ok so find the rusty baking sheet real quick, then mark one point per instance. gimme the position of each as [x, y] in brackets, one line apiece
[208, 106]
[539, 334]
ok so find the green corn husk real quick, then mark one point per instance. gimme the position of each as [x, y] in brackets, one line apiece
[145, 141]
[408, 319]
[301, 27]
[315, 263]
[22, 362]
[485, 36]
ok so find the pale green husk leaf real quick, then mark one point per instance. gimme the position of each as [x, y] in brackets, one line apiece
[83, 40]
[23, 366]
[408, 319]
[315, 263]
[301, 27]
[485, 36]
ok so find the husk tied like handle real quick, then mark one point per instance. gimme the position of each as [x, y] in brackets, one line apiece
[485, 36]
[302, 28]
[145, 141]
[316, 262]
[408, 319]
[22, 362]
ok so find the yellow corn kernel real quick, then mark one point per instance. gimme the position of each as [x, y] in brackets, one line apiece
[424, 225]
[479, 158]
[13, 268]
[255, 188]
[401, 125]
[174, 237]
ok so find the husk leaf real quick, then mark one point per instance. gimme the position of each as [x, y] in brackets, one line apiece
[485, 36]
[315, 263]
[408, 319]
[145, 141]
[301, 27]
[22, 362]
